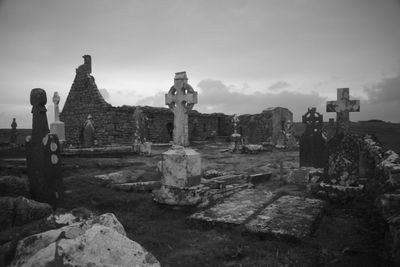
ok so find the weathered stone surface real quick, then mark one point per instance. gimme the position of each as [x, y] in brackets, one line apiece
[101, 241]
[57, 127]
[342, 162]
[288, 216]
[181, 99]
[235, 209]
[16, 211]
[181, 167]
[299, 176]
[252, 149]
[183, 196]
[120, 177]
[259, 178]
[13, 186]
[343, 106]
[137, 186]
[88, 133]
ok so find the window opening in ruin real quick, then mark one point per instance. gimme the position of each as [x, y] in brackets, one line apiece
[204, 127]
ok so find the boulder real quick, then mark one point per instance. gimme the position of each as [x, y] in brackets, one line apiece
[16, 211]
[100, 241]
[13, 186]
[97, 246]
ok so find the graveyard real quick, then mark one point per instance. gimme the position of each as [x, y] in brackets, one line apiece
[261, 196]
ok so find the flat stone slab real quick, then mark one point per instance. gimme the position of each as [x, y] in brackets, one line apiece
[137, 186]
[288, 216]
[236, 208]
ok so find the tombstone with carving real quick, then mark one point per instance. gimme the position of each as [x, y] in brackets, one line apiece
[343, 153]
[140, 145]
[13, 137]
[57, 127]
[88, 132]
[43, 161]
[312, 142]
[180, 166]
[236, 137]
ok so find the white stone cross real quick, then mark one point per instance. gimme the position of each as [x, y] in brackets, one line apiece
[56, 101]
[343, 106]
[181, 99]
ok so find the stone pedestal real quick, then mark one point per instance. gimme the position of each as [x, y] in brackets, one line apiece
[181, 175]
[58, 128]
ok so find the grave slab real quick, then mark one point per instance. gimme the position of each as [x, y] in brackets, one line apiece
[288, 216]
[235, 209]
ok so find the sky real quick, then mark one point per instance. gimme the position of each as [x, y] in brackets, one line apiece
[241, 56]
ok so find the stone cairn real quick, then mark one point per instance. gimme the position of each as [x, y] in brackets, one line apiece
[312, 142]
[180, 166]
[236, 137]
[140, 145]
[57, 127]
[343, 149]
[13, 137]
[43, 161]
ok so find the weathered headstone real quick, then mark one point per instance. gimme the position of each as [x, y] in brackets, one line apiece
[180, 166]
[312, 143]
[88, 132]
[57, 127]
[139, 140]
[343, 153]
[343, 106]
[13, 137]
[236, 137]
[42, 149]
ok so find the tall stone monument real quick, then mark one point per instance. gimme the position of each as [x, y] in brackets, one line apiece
[57, 127]
[312, 142]
[140, 145]
[43, 161]
[13, 137]
[343, 153]
[236, 137]
[180, 166]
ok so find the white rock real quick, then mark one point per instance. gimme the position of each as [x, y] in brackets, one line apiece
[30, 246]
[97, 246]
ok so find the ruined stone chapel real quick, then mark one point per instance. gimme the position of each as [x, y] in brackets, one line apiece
[116, 125]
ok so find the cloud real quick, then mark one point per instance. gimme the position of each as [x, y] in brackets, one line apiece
[278, 86]
[215, 96]
[104, 93]
[385, 91]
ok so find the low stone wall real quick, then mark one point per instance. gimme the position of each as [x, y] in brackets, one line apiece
[386, 168]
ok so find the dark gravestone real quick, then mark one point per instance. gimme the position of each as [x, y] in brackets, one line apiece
[342, 162]
[13, 138]
[312, 143]
[42, 149]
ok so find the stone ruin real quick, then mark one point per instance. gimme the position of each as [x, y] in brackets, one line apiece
[114, 125]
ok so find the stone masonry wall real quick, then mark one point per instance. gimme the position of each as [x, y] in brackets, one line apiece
[116, 125]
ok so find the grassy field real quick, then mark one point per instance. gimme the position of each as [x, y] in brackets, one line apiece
[348, 235]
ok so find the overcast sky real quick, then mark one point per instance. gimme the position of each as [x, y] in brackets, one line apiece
[241, 56]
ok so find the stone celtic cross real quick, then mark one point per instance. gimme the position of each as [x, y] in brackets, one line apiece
[343, 106]
[312, 118]
[56, 101]
[181, 99]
